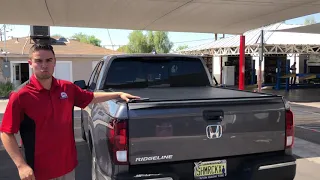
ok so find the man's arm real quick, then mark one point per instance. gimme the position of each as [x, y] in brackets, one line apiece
[10, 144]
[83, 97]
[105, 96]
[10, 125]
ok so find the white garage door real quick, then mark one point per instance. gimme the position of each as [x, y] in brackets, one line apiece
[63, 70]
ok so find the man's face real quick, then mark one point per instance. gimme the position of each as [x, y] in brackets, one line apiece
[42, 63]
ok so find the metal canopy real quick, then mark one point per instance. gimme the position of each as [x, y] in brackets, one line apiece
[275, 42]
[212, 16]
[312, 29]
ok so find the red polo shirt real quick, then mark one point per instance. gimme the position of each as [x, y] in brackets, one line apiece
[44, 119]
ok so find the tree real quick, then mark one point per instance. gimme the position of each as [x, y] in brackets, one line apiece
[145, 43]
[179, 48]
[309, 20]
[161, 42]
[137, 43]
[122, 48]
[150, 41]
[87, 39]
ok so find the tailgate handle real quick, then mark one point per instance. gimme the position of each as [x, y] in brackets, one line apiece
[210, 115]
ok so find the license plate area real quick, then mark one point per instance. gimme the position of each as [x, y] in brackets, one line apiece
[210, 169]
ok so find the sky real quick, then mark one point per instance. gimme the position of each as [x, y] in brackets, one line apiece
[120, 37]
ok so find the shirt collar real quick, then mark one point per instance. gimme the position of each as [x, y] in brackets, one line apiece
[34, 81]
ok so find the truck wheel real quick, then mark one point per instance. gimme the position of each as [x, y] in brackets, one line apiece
[93, 164]
[83, 134]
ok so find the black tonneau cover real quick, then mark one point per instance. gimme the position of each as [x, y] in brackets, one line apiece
[189, 93]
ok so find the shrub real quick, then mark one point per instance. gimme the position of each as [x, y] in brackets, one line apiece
[5, 89]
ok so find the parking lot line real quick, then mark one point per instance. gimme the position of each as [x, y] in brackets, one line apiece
[309, 128]
[307, 150]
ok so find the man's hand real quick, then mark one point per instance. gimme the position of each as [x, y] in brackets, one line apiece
[26, 173]
[106, 96]
[11, 145]
[127, 97]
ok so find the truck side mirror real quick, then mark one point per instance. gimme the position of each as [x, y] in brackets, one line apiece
[81, 84]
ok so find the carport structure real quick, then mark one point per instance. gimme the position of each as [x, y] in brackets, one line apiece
[280, 43]
[278, 39]
[211, 16]
[312, 29]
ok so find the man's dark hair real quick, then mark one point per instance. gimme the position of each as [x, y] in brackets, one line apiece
[38, 47]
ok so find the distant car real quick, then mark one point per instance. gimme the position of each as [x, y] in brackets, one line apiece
[185, 127]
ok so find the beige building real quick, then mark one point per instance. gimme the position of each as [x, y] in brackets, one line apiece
[75, 60]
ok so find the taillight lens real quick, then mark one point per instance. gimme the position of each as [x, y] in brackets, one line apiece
[289, 129]
[118, 142]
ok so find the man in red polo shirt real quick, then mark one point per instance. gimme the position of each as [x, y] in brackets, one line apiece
[42, 111]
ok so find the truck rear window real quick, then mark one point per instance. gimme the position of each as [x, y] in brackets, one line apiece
[145, 72]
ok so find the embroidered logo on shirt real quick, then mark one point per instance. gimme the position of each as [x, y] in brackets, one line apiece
[64, 95]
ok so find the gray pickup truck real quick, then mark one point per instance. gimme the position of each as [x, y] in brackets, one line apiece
[184, 127]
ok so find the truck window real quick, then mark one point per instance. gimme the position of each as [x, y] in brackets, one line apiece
[94, 77]
[156, 72]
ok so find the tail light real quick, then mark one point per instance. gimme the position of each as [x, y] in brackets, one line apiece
[289, 129]
[118, 142]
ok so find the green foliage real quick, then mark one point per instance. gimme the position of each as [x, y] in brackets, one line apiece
[87, 39]
[5, 88]
[145, 43]
[151, 41]
[161, 42]
[122, 48]
[137, 43]
[182, 47]
[309, 20]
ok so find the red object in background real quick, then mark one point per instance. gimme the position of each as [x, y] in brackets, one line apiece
[241, 62]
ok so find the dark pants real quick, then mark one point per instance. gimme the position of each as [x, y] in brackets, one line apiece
[293, 80]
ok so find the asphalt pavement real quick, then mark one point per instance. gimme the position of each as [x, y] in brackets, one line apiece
[307, 122]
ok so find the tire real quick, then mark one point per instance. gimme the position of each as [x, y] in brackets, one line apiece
[83, 134]
[93, 164]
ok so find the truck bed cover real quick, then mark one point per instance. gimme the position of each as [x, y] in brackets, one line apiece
[190, 93]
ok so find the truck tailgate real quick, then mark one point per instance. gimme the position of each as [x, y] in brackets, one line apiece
[166, 131]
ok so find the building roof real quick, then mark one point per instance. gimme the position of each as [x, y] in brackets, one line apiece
[211, 16]
[312, 28]
[271, 37]
[21, 46]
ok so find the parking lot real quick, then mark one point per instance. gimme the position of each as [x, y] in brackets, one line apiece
[307, 147]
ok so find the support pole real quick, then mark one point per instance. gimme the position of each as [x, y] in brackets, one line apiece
[305, 69]
[221, 66]
[305, 66]
[260, 62]
[253, 73]
[241, 62]
[5, 41]
[278, 83]
[287, 72]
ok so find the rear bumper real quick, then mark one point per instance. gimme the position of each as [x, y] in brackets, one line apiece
[273, 167]
[162, 176]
